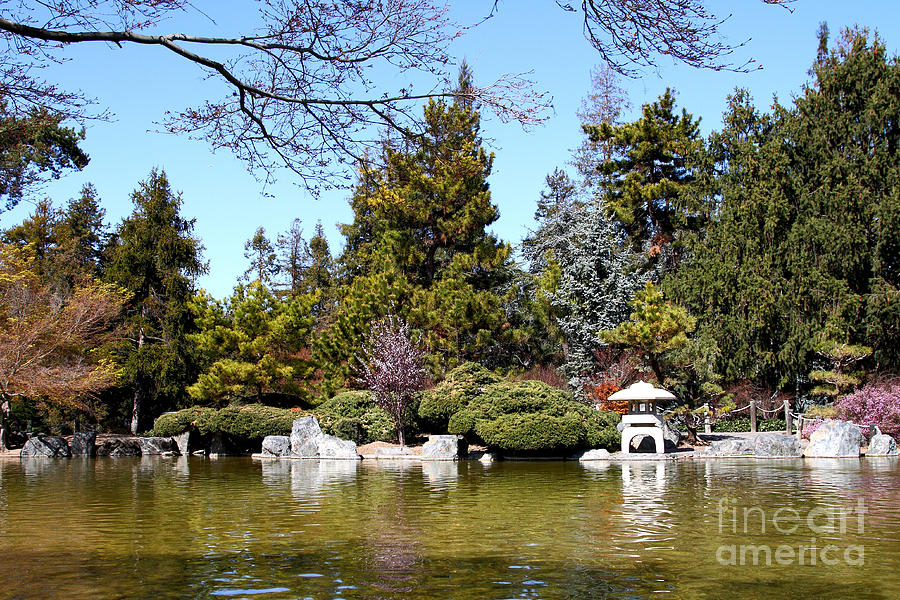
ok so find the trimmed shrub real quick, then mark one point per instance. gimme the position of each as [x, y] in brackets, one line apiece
[459, 387]
[355, 416]
[743, 424]
[180, 421]
[877, 402]
[531, 416]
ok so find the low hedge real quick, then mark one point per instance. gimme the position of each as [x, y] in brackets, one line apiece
[355, 416]
[459, 387]
[251, 421]
[531, 416]
[743, 424]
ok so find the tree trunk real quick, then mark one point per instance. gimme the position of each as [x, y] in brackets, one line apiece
[138, 393]
[4, 425]
[400, 435]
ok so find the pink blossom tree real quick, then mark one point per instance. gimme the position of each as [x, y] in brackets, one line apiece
[393, 368]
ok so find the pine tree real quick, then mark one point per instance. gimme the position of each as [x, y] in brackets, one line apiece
[261, 254]
[83, 235]
[157, 259]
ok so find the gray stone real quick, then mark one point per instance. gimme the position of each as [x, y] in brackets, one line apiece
[620, 427]
[158, 446]
[731, 447]
[48, 446]
[183, 441]
[595, 454]
[671, 434]
[837, 439]
[336, 448]
[83, 443]
[444, 447]
[882, 445]
[305, 436]
[276, 445]
[117, 447]
[777, 445]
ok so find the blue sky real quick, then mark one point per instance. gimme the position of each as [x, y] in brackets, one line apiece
[139, 84]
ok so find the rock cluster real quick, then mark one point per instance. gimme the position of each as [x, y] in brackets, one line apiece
[85, 444]
[767, 445]
[444, 447]
[308, 441]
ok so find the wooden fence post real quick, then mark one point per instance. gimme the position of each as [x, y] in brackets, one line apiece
[787, 416]
[753, 415]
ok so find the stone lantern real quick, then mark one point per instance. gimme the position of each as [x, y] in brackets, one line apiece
[643, 415]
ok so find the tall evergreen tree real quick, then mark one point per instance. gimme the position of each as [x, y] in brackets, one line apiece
[83, 236]
[648, 184]
[263, 260]
[156, 258]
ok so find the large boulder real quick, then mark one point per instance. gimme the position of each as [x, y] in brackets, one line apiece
[835, 439]
[48, 446]
[83, 443]
[276, 445]
[882, 445]
[305, 437]
[164, 446]
[737, 446]
[183, 441]
[117, 447]
[777, 445]
[332, 447]
[444, 447]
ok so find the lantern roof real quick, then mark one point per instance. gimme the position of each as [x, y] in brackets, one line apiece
[642, 390]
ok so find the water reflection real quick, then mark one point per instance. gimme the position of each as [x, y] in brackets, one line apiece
[310, 477]
[440, 474]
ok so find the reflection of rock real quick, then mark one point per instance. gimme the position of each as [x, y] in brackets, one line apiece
[444, 447]
[440, 473]
[158, 445]
[777, 445]
[882, 445]
[596, 454]
[596, 466]
[47, 446]
[276, 445]
[305, 436]
[835, 439]
[731, 447]
[275, 470]
[311, 477]
[83, 443]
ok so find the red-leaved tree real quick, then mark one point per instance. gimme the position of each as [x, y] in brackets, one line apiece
[393, 368]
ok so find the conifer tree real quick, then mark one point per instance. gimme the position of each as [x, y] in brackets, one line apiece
[156, 258]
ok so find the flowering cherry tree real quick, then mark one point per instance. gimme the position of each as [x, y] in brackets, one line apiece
[393, 368]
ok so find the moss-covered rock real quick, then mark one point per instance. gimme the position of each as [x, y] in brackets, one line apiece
[530, 417]
[459, 387]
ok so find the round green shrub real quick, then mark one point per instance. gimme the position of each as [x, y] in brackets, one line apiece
[180, 421]
[531, 416]
[459, 387]
[743, 424]
[355, 416]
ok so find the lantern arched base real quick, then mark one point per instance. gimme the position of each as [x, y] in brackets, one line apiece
[631, 432]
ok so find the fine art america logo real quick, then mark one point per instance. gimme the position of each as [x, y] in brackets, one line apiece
[817, 527]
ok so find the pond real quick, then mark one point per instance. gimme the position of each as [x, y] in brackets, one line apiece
[239, 528]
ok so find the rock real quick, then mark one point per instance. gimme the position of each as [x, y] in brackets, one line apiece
[620, 427]
[595, 454]
[305, 437]
[217, 446]
[83, 443]
[444, 447]
[882, 445]
[119, 447]
[835, 439]
[671, 435]
[336, 448]
[777, 445]
[731, 447]
[159, 446]
[183, 441]
[276, 445]
[48, 446]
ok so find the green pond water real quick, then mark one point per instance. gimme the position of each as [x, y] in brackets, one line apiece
[239, 528]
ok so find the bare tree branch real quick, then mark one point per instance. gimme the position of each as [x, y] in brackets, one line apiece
[302, 93]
